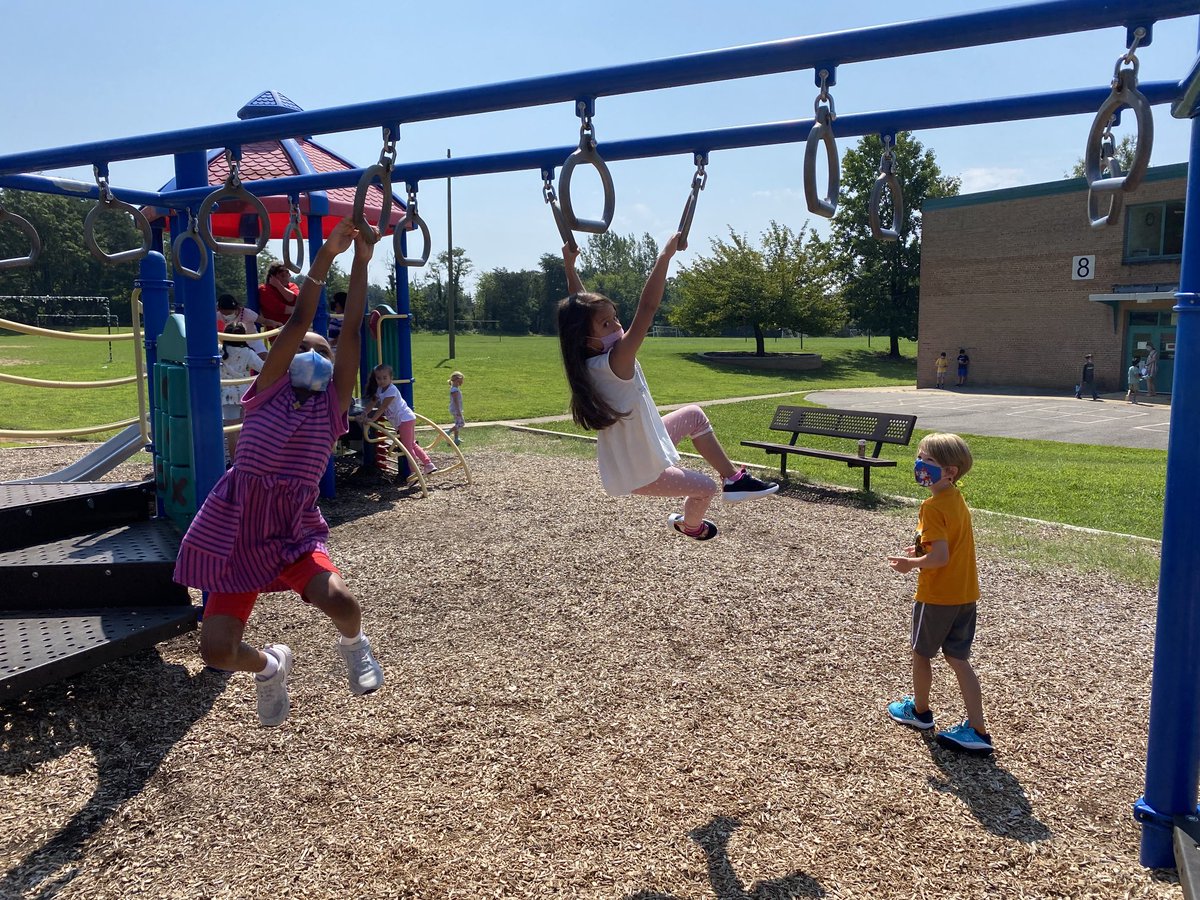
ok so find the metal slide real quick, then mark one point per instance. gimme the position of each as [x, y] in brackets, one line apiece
[98, 462]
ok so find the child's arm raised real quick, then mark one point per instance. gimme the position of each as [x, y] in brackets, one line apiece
[285, 345]
[570, 254]
[623, 355]
[345, 365]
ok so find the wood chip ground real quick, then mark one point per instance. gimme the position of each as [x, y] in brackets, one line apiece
[580, 703]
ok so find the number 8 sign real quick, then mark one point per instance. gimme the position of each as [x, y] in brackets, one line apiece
[1083, 268]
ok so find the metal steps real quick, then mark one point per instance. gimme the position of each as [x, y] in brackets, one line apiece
[85, 578]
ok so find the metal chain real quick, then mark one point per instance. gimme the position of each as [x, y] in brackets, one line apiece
[1130, 57]
[824, 96]
[387, 156]
[106, 194]
[235, 165]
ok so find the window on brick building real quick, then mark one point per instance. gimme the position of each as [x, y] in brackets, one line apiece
[1154, 231]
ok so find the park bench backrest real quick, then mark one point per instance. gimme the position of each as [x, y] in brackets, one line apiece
[887, 428]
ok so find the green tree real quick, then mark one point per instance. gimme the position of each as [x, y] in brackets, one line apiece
[617, 266]
[554, 289]
[511, 299]
[428, 291]
[785, 283]
[1125, 148]
[881, 279]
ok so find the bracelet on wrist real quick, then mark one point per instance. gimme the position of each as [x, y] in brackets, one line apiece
[319, 282]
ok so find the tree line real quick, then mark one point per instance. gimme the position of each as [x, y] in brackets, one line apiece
[785, 279]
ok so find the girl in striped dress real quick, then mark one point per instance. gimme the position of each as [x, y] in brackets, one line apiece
[260, 528]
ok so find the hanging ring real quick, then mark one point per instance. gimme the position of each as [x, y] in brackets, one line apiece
[107, 201]
[1124, 94]
[189, 234]
[699, 181]
[292, 233]
[586, 154]
[412, 219]
[35, 242]
[233, 190]
[886, 180]
[822, 133]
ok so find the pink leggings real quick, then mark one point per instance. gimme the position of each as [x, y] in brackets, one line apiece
[690, 421]
[407, 432]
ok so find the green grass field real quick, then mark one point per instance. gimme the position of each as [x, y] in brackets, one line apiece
[1107, 488]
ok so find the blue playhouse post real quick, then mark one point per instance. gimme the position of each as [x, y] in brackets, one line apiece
[1173, 755]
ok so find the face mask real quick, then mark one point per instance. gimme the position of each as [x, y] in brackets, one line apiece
[610, 340]
[311, 371]
[927, 474]
[228, 318]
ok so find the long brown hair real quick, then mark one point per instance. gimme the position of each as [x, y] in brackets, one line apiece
[588, 408]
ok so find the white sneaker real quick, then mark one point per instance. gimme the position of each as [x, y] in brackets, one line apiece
[273, 706]
[429, 468]
[364, 673]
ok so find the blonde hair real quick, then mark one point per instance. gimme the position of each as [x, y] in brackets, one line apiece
[453, 375]
[948, 450]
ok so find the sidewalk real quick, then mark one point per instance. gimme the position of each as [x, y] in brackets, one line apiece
[1027, 413]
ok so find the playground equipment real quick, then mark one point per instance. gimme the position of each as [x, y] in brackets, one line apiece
[1173, 761]
[383, 437]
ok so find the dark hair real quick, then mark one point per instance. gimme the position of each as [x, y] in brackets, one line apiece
[227, 301]
[372, 387]
[588, 408]
[235, 328]
[339, 299]
[276, 266]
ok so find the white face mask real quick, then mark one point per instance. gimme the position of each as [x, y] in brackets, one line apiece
[310, 371]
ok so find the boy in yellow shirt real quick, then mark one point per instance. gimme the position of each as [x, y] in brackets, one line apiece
[941, 364]
[947, 592]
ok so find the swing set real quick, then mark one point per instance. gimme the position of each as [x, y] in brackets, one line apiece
[1168, 809]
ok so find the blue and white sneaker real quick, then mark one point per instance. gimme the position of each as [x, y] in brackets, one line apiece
[905, 712]
[964, 737]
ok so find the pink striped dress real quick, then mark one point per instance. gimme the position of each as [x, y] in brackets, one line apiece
[262, 515]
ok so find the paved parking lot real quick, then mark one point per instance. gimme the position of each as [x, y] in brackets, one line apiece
[1011, 413]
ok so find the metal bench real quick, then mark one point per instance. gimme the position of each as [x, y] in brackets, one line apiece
[853, 424]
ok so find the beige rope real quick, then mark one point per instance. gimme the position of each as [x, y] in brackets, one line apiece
[67, 432]
[65, 335]
[41, 382]
[243, 338]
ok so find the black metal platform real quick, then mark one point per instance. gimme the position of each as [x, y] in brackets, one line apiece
[127, 566]
[40, 648]
[32, 513]
[85, 577]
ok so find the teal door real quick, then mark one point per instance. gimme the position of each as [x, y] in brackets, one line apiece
[1157, 328]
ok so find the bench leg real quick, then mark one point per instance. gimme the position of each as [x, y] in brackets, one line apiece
[783, 465]
[866, 478]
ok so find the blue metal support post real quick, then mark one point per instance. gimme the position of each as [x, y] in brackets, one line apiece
[203, 360]
[1173, 751]
[156, 306]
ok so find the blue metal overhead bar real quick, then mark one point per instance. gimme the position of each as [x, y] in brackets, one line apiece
[840, 47]
[1004, 109]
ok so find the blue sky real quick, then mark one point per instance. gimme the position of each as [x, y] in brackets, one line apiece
[79, 72]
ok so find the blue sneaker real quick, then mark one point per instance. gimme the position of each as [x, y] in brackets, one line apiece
[905, 712]
[964, 737]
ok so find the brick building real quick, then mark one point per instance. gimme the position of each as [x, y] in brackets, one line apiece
[1019, 279]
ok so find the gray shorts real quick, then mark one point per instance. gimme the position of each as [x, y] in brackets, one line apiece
[950, 629]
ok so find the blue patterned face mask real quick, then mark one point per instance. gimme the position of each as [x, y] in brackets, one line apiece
[310, 371]
[927, 474]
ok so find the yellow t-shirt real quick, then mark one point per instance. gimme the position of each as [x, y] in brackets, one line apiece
[942, 364]
[945, 517]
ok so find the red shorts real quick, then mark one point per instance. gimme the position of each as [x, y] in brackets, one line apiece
[295, 577]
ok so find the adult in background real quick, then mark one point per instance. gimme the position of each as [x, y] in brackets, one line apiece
[1151, 369]
[1087, 380]
[277, 296]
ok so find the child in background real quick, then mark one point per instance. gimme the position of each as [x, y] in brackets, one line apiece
[635, 447]
[456, 407]
[964, 362]
[382, 399]
[944, 613]
[337, 314]
[237, 361]
[1134, 375]
[259, 528]
[941, 365]
[230, 313]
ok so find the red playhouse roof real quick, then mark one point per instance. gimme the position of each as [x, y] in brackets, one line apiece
[279, 159]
